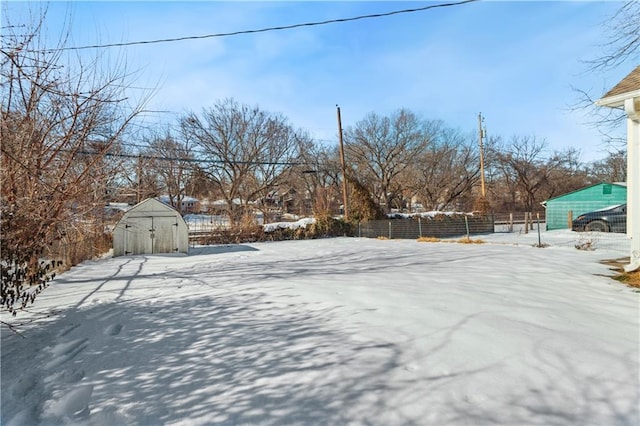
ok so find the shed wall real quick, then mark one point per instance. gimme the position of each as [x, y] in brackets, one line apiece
[151, 227]
[583, 201]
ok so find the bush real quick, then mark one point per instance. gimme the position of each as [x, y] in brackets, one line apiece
[327, 226]
[324, 226]
[23, 273]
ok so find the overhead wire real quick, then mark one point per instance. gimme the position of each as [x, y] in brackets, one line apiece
[187, 159]
[263, 30]
[229, 34]
[147, 157]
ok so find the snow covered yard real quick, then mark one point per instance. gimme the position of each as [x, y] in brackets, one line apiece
[336, 331]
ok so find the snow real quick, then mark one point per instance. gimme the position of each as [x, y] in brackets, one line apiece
[428, 215]
[205, 222]
[333, 331]
[301, 223]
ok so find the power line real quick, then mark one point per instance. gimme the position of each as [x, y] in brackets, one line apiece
[188, 160]
[151, 148]
[263, 30]
[145, 157]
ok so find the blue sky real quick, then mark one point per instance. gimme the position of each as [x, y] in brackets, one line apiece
[515, 62]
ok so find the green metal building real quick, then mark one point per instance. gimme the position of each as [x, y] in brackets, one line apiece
[581, 201]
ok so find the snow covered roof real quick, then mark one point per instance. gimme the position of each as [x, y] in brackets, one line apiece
[185, 199]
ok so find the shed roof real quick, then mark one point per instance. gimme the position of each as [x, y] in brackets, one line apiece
[151, 205]
[628, 87]
[622, 184]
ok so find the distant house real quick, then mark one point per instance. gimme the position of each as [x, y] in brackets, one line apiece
[220, 206]
[115, 209]
[187, 204]
[150, 227]
[581, 201]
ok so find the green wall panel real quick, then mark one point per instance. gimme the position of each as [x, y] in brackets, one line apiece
[582, 201]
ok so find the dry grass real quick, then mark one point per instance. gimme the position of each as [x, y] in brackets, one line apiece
[428, 240]
[466, 240]
[632, 279]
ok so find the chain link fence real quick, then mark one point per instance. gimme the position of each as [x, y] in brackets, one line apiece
[438, 226]
[530, 228]
[509, 228]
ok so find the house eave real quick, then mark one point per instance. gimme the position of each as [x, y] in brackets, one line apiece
[617, 101]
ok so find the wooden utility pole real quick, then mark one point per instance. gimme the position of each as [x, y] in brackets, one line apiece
[482, 135]
[139, 179]
[345, 200]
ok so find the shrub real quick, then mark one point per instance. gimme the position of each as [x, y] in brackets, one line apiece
[327, 226]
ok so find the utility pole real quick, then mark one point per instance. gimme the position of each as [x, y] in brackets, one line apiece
[139, 179]
[482, 134]
[345, 200]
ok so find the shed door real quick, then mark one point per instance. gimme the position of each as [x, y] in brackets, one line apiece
[138, 236]
[150, 235]
[165, 240]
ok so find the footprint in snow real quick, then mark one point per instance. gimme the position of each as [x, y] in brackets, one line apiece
[64, 352]
[68, 330]
[23, 417]
[23, 386]
[66, 376]
[105, 315]
[74, 404]
[113, 330]
[109, 415]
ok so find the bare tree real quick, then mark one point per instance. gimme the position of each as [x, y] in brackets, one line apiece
[522, 165]
[60, 119]
[613, 168]
[623, 38]
[525, 174]
[566, 173]
[321, 172]
[199, 183]
[379, 149]
[447, 170]
[173, 164]
[621, 46]
[245, 150]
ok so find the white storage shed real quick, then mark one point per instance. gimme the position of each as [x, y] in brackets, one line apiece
[150, 227]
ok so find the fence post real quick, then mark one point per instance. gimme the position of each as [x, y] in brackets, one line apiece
[538, 221]
[526, 222]
[569, 218]
[530, 221]
[510, 222]
[466, 224]
[420, 226]
[389, 229]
